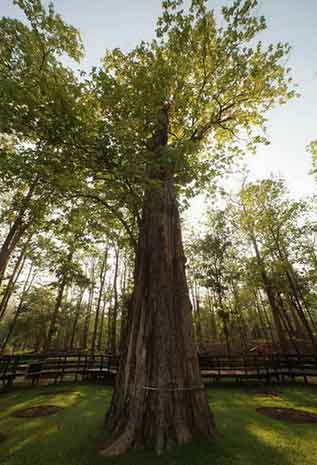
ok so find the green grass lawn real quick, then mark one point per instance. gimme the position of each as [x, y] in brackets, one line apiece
[72, 436]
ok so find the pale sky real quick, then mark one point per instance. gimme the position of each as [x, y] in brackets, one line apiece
[105, 24]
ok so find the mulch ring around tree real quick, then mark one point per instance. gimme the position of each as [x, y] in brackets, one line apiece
[55, 393]
[267, 394]
[288, 414]
[40, 411]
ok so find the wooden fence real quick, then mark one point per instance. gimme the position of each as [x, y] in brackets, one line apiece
[79, 367]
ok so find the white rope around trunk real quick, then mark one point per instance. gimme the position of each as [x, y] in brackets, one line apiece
[169, 389]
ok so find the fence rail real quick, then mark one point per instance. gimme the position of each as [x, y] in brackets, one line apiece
[75, 367]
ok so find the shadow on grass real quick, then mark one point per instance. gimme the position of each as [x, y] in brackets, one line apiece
[72, 436]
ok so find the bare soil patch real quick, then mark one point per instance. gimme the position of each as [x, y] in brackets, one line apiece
[288, 414]
[40, 411]
[54, 393]
[268, 393]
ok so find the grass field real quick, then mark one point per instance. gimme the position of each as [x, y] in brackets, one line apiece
[72, 436]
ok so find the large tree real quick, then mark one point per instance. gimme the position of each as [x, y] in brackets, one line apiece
[160, 120]
[41, 110]
[195, 87]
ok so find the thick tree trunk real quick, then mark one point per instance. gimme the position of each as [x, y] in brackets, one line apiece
[159, 399]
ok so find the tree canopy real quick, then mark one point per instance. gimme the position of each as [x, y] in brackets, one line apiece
[96, 165]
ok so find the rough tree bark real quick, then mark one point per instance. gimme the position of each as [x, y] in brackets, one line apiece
[159, 399]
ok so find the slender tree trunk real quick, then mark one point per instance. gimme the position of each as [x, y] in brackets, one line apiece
[124, 276]
[18, 267]
[26, 287]
[101, 288]
[102, 323]
[75, 322]
[200, 342]
[300, 310]
[53, 320]
[224, 318]
[259, 315]
[271, 297]
[240, 318]
[124, 303]
[108, 319]
[299, 330]
[266, 314]
[288, 324]
[295, 289]
[89, 307]
[16, 231]
[124, 321]
[159, 399]
[114, 311]
[226, 333]
[60, 294]
[197, 315]
[213, 321]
